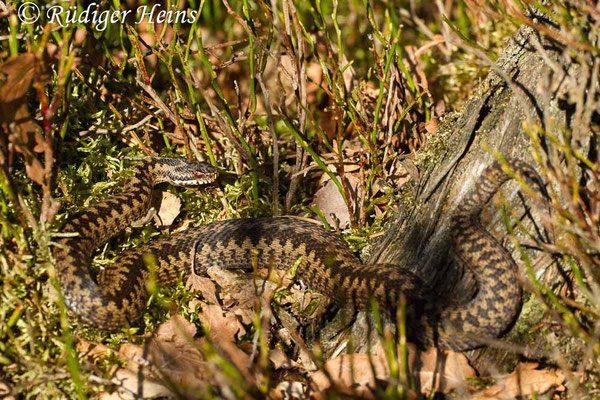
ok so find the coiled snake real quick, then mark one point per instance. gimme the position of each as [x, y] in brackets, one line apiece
[325, 262]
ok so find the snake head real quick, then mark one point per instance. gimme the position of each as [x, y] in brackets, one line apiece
[183, 172]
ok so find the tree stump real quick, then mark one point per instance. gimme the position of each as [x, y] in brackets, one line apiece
[523, 85]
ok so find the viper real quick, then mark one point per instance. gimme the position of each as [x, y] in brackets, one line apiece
[118, 294]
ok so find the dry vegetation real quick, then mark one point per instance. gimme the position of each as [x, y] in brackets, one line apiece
[319, 109]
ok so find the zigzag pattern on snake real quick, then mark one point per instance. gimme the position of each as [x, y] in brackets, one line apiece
[119, 295]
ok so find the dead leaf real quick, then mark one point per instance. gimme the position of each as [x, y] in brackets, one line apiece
[525, 380]
[171, 358]
[129, 387]
[177, 330]
[280, 359]
[245, 315]
[408, 166]
[91, 350]
[287, 390]
[170, 205]
[352, 374]
[238, 291]
[222, 326]
[19, 71]
[289, 335]
[439, 370]
[440, 108]
[35, 170]
[331, 202]
[205, 287]
[241, 292]
[431, 126]
[416, 66]
[231, 284]
[434, 369]
[174, 362]
[314, 73]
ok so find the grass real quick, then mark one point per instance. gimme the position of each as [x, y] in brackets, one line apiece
[262, 90]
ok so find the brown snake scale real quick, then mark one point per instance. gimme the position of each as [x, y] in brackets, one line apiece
[326, 264]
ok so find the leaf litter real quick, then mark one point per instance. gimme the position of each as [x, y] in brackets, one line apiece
[430, 370]
[176, 361]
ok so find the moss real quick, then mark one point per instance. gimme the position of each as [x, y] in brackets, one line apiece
[532, 313]
[437, 144]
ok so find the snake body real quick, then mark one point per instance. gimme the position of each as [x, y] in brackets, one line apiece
[324, 262]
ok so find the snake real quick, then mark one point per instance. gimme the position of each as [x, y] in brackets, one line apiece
[118, 294]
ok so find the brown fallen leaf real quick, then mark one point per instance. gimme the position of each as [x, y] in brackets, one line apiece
[177, 330]
[416, 66]
[280, 359]
[241, 292]
[331, 202]
[433, 369]
[18, 73]
[231, 284]
[128, 386]
[222, 328]
[205, 287]
[168, 363]
[351, 374]
[525, 380]
[170, 205]
[34, 170]
[287, 390]
[172, 358]
[238, 290]
[431, 126]
[221, 325]
[92, 350]
[439, 370]
[314, 73]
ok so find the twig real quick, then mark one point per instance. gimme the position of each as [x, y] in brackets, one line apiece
[148, 89]
[124, 129]
[275, 185]
[300, 88]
